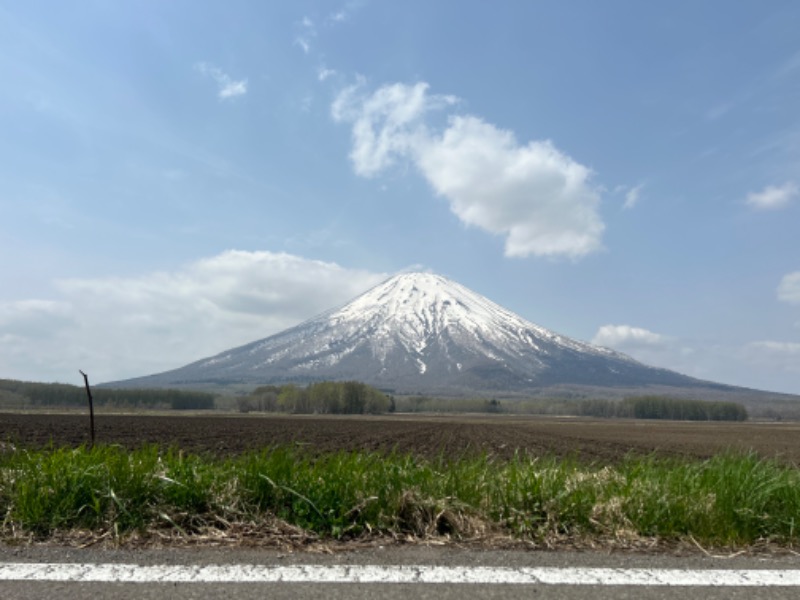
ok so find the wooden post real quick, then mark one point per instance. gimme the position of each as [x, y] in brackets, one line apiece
[91, 404]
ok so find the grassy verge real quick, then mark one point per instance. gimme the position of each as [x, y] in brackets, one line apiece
[730, 500]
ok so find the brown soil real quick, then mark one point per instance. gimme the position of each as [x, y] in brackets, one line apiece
[451, 436]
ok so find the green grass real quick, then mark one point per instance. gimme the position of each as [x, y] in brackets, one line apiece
[731, 500]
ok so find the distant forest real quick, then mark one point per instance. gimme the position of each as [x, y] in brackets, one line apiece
[21, 394]
[660, 407]
[353, 397]
[637, 407]
[326, 397]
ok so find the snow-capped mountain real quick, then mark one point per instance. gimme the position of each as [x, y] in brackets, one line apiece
[420, 333]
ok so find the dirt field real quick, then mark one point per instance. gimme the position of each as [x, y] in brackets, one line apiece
[592, 440]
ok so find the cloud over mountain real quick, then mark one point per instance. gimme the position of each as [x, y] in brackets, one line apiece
[614, 336]
[117, 326]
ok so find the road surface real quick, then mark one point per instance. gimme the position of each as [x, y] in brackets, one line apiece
[389, 573]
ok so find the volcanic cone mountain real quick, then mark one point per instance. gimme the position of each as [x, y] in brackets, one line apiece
[420, 333]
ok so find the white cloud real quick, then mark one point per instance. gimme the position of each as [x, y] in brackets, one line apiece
[651, 348]
[534, 194]
[324, 73]
[778, 348]
[773, 197]
[41, 317]
[789, 288]
[345, 13]
[620, 336]
[308, 32]
[233, 88]
[767, 365]
[386, 124]
[227, 87]
[632, 196]
[780, 357]
[539, 198]
[123, 327]
[308, 28]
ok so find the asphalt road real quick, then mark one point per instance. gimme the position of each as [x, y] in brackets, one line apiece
[423, 556]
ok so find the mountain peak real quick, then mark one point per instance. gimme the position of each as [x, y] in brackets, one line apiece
[425, 297]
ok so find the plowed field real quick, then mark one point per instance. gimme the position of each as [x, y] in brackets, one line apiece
[592, 440]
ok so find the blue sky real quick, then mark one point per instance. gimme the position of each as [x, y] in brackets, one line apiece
[178, 178]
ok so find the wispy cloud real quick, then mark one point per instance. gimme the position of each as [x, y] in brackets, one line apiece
[123, 327]
[786, 348]
[773, 197]
[632, 196]
[227, 87]
[789, 288]
[536, 196]
[345, 13]
[387, 124]
[308, 28]
[308, 31]
[778, 356]
[659, 350]
[324, 73]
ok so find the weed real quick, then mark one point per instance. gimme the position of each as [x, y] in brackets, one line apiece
[729, 499]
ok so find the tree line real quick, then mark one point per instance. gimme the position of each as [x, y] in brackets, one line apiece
[635, 407]
[62, 394]
[662, 407]
[325, 397]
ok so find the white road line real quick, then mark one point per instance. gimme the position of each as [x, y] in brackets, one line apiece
[130, 573]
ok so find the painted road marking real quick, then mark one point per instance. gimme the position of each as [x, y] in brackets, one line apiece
[130, 573]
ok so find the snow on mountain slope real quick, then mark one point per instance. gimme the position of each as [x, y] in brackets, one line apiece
[415, 311]
[420, 332]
